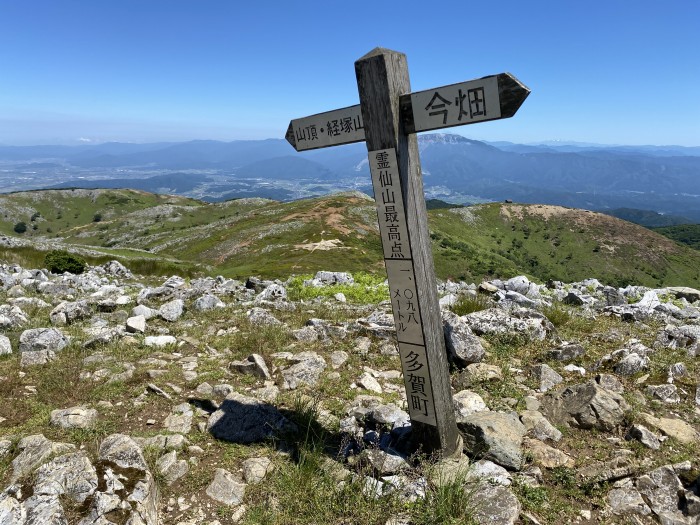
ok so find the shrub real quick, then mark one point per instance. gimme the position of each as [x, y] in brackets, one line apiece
[60, 261]
[20, 227]
[97, 217]
[467, 304]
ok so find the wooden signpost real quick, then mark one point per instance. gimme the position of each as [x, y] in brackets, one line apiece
[387, 119]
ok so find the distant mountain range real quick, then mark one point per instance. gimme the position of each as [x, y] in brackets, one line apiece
[661, 179]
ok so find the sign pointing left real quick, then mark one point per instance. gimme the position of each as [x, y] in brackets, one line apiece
[332, 128]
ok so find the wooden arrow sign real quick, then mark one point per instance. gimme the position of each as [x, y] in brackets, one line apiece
[489, 98]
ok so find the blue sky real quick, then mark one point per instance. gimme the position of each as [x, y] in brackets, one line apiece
[605, 71]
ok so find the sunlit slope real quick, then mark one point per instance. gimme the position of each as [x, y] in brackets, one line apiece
[339, 232]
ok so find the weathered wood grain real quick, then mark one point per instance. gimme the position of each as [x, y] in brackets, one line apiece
[382, 77]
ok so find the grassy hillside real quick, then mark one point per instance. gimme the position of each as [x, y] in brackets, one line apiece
[688, 234]
[339, 232]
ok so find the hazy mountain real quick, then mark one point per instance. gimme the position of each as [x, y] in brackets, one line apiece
[663, 179]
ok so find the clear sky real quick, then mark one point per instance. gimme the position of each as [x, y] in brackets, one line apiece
[605, 71]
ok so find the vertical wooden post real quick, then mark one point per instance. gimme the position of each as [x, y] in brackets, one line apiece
[382, 77]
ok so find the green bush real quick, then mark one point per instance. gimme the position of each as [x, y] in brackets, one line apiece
[467, 304]
[20, 227]
[60, 261]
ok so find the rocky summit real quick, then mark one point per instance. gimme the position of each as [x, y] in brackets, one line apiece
[134, 400]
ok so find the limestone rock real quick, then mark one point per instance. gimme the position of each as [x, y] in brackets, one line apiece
[225, 488]
[180, 419]
[260, 316]
[207, 302]
[494, 435]
[627, 500]
[136, 324]
[123, 452]
[674, 428]
[567, 352]
[306, 370]
[43, 341]
[368, 382]
[546, 376]
[467, 403]
[71, 474]
[5, 345]
[546, 456]
[664, 393]
[75, 417]
[34, 451]
[538, 426]
[494, 505]
[171, 468]
[159, 341]
[586, 405]
[69, 312]
[255, 469]
[645, 436]
[172, 310]
[519, 322]
[253, 365]
[463, 347]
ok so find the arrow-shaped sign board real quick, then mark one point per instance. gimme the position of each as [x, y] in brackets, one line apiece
[489, 98]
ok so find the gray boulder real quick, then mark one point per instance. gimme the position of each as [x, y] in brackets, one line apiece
[75, 417]
[306, 371]
[546, 376]
[586, 405]
[274, 292]
[39, 345]
[72, 475]
[172, 310]
[463, 347]
[496, 436]
[5, 345]
[69, 312]
[12, 317]
[226, 488]
[261, 317]
[207, 302]
[494, 505]
[253, 365]
[520, 321]
[330, 278]
[567, 352]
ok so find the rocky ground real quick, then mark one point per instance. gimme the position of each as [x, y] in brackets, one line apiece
[218, 401]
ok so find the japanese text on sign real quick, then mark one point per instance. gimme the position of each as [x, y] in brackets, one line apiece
[456, 104]
[341, 126]
[404, 301]
[390, 208]
[416, 377]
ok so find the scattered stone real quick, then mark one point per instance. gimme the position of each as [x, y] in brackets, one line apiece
[467, 403]
[274, 292]
[674, 428]
[145, 311]
[171, 468]
[306, 371]
[661, 488]
[546, 376]
[34, 451]
[67, 312]
[136, 325]
[75, 417]
[627, 500]
[260, 316]
[538, 426]
[207, 302]
[384, 462]
[631, 364]
[567, 352]
[494, 505]
[5, 345]
[255, 469]
[586, 405]
[159, 341]
[494, 435]
[645, 436]
[610, 382]
[253, 365]
[225, 488]
[546, 456]
[172, 310]
[180, 419]
[368, 382]
[338, 358]
[664, 393]
[42, 340]
[463, 347]
[479, 372]
[518, 322]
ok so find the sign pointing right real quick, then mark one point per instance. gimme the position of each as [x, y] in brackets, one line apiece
[488, 98]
